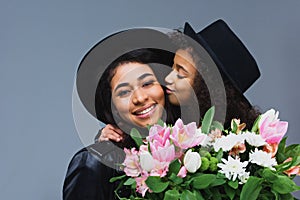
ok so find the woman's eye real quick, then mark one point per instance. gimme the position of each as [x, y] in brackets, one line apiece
[123, 93]
[148, 83]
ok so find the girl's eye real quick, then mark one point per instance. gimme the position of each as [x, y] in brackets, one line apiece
[123, 93]
[180, 76]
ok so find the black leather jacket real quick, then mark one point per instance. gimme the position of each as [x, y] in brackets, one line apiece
[90, 170]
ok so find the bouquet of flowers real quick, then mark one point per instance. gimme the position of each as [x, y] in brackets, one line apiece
[186, 162]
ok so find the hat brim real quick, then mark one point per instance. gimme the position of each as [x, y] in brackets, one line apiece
[106, 51]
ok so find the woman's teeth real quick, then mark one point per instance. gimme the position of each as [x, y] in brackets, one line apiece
[145, 111]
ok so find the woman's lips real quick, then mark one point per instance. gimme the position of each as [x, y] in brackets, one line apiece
[145, 112]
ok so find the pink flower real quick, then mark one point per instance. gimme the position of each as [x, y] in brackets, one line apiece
[182, 172]
[141, 186]
[295, 170]
[159, 135]
[186, 136]
[131, 163]
[158, 163]
[163, 154]
[160, 168]
[270, 128]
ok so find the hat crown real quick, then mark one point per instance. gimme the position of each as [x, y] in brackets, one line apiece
[228, 52]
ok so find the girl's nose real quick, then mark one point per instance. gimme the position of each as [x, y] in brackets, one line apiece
[170, 77]
[139, 96]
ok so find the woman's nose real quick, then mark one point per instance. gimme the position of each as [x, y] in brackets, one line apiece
[170, 77]
[139, 96]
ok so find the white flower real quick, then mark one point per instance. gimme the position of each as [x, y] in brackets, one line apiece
[147, 161]
[254, 139]
[228, 142]
[262, 158]
[192, 161]
[244, 177]
[233, 168]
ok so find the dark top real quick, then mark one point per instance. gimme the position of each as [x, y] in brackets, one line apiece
[90, 170]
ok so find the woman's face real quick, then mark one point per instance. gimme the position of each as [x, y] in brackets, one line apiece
[137, 95]
[180, 81]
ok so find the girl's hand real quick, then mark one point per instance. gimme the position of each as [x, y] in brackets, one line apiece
[111, 132]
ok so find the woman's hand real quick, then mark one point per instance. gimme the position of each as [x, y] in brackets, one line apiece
[111, 132]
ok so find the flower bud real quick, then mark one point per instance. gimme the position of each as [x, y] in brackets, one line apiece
[192, 161]
[204, 164]
[147, 161]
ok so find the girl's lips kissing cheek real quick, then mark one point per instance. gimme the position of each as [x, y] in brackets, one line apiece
[145, 112]
[169, 91]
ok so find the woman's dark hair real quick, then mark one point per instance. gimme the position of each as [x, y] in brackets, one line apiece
[150, 56]
[237, 106]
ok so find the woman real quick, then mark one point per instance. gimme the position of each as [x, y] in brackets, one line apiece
[128, 95]
[190, 83]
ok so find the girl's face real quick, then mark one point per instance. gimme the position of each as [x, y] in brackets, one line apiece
[179, 82]
[137, 95]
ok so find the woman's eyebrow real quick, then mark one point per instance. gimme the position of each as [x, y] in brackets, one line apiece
[121, 85]
[127, 84]
[144, 76]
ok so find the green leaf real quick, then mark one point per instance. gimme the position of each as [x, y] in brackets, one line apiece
[255, 125]
[172, 195]
[203, 181]
[198, 195]
[230, 192]
[251, 189]
[156, 184]
[233, 184]
[235, 127]
[174, 167]
[177, 180]
[188, 195]
[269, 175]
[217, 182]
[217, 125]
[136, 136]
[129, 181]
[284, 185]
[113, 179]
[219, 155]
[292, 150]
[207, 120]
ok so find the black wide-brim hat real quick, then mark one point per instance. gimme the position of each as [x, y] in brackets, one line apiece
[228, 52]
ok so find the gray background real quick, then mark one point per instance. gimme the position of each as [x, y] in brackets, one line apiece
[42, 43]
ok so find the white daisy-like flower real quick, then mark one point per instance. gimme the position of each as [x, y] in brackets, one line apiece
[244, 177]
[228, 142]
[262, 158]
[254, 139]
[233, 168]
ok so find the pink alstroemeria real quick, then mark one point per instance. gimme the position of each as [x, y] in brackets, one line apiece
[141, 186]
[186, 136]
[271, 128]
[295, 170]
[157, 163]
[131, 163]
[159, 135]
[182, 172]
[163, 154]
